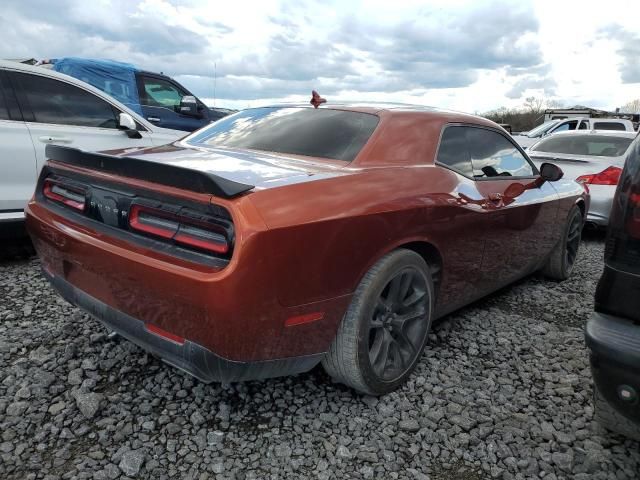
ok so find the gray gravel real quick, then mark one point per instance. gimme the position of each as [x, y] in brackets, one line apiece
[503, 391]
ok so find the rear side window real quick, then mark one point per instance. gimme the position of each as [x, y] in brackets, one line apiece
[453, 151]
[324, 133]
[608, 126]
[53, 101]
[492, 155]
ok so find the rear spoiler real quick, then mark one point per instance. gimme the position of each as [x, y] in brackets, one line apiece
[170, 175]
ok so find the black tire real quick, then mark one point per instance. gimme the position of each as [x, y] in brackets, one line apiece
[611, 419]
[386, 320]
[563, 257]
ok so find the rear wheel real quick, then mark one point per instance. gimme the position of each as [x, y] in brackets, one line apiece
[608, 417]
[564, 255]
[385, 328]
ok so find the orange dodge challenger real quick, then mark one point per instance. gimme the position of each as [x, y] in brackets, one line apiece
[281, 237]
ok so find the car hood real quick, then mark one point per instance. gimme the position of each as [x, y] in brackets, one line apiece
[260, 169]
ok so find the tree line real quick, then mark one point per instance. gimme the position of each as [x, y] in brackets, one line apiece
[531, 113]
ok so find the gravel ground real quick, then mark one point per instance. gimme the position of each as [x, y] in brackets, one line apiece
[503, 391]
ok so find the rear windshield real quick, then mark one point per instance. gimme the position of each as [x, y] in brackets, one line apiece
[608, 126]
[332, 134]
[600, 145]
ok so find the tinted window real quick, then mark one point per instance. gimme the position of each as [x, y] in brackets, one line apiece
[4, 112]
[325, 133]
[161, 93]
[453, 150]
[58, 102]
[492, 155]
[602, 145]
[608, 126]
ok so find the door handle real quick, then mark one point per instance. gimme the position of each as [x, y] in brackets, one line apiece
[153, 119]
[52, 139]
[496, 199]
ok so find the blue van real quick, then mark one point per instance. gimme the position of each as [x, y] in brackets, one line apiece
[158, 98]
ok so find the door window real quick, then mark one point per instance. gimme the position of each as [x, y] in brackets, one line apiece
[584, 125]
[160, 93]
[566, 126]
[453, 151]
[492, 155]
[4, 112]
[53, 101]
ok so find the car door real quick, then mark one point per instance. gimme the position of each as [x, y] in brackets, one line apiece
[520, 216]
[463, 222]
[17, 156]
[160, 101]
[57, 112]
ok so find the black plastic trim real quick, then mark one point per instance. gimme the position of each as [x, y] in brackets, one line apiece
[190, 357]
[170, 175]
[614, 338]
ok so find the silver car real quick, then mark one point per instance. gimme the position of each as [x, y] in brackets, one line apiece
[594, 158]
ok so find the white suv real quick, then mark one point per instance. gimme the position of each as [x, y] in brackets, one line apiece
[527, 139]
[38, 107]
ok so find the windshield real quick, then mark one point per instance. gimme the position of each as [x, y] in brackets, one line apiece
[324, 133]
[541, 129]
[600, 145]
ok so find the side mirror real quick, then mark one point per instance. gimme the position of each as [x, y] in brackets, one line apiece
[189, 106]
[128, 124]
[550, 172]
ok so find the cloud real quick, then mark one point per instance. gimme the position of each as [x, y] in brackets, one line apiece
[288, 51]
[628, 50]
[532, 82]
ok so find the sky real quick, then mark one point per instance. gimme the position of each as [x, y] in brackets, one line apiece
[471, 56]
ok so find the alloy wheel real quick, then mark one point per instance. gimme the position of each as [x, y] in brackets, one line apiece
[573, 239]
[398, 325]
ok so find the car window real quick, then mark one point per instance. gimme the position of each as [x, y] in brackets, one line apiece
[322, 133]
[574, 144]
[492, 155]
[584, 125]
[4, 111]
[453, 151]
[161, 93]
[608, 126]
[566, 126]
[53, 101]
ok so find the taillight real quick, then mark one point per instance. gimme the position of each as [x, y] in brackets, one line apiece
[633, 220]
[70, 196]
[609, 176]
[183, 230]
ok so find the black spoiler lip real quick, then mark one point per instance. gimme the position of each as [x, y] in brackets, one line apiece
[170, 175]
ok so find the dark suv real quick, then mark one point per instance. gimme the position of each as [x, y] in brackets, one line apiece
[613, 332]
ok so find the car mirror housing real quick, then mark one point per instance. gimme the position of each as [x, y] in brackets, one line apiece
[128, 124]
[189, 106]
[550, 172]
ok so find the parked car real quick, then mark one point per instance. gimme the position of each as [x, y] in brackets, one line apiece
[571, 124]
[594, 158]
[39, 107]
[158, 98]
[613, 331]
[281, 237]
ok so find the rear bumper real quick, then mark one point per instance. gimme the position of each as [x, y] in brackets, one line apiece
[600, 205]
[188, 356]
[615, 361]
